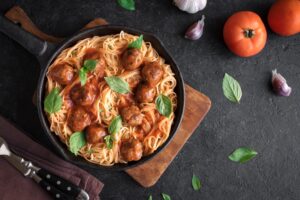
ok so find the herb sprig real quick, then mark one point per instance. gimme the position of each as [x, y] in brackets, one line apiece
[231, 89]
[53, 101]
[117, 84]
[164, 105]
[88, 65]
[127, 4]
[76, 142]
[242, 155]
[137, 44]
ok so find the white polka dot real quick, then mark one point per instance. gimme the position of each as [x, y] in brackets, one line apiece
[58, 182]
[69, 188]
[57, 196]
[48, 176]
[48, 188]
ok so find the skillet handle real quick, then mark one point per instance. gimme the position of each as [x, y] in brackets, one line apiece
[39, 48]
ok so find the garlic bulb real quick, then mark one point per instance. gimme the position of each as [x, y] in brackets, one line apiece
[190, 6]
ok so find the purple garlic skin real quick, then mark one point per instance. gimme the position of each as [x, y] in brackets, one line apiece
[279, 84]
[195, 31]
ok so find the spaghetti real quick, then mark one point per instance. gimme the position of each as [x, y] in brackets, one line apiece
[154, 128]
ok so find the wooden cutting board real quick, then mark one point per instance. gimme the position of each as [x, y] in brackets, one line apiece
[197, 106]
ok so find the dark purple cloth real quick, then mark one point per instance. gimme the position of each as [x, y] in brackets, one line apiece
[14, 186]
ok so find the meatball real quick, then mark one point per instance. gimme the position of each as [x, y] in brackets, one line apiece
[132, 115]
[94, 54]
[139, 134]
[132, 59]
[78, 119]
[84, 95]
[95, 134]
[152, 73]
[131, 150]
[145, 94]
[126, 100]
[63, 74]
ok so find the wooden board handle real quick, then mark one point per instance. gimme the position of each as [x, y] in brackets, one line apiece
[17, 15]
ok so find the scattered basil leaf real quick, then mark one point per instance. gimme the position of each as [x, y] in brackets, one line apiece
[89, 65]
[242, 155]
[165, 196]
[53, 101]
[231, 89]
[115, 125]
[136, 44]
[127, 4]
[150, 197]
[109, 141]
[82, 76]
[117, 84]
[164, 105]
[196, 183]
[77, 141]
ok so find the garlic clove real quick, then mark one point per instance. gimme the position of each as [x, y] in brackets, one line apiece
[280, 85]
[191, 6]
[195, 31]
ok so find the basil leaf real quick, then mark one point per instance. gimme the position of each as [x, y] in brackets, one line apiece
[53, 101]
[127, 4]
[242, 155]
[77, 141]
[82, 76]
[137, 44]
[165, 196]
[89, 65]
[108, 141]
[164, 105]
[150, 197]
[115, 125]
[117, 84]
[231, 89]
[196, 183]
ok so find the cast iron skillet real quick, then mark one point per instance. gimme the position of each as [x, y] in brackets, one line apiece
[46, 52]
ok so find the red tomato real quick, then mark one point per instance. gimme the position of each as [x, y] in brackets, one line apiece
[284, 17]
[245, 34]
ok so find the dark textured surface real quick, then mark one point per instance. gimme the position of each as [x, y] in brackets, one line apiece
[263, 121]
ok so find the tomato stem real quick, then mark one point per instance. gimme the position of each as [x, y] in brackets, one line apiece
[249, 33]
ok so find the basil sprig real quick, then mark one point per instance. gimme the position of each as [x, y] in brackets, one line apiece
[127, 4]
[115, 125]
[231, 89]
[196, 183]
[113, 128]
[77, 141]
[88, 65]
[137, 44]
[242, 155]
[109, 141]
[165, 196]
[164, 105]
[117, 84]
[53, 101]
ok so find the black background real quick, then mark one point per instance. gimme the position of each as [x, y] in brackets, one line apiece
[263, 121]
